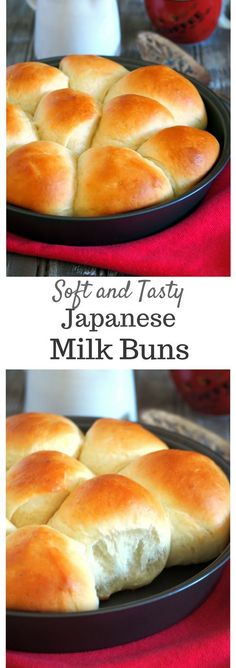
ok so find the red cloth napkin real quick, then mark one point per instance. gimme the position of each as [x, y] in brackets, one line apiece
[197, 246]
[200, 640]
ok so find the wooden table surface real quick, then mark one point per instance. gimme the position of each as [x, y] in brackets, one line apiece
[213, 54]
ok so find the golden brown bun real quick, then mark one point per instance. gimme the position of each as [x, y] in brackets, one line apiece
[169, 88]
[29, 432]
[9, 527]
[91, 74]
[39, 483]
[28, 82]
[41, 177]
[47, 571]
[122, 165]
[111, 444]
[20, 128]
[129, 120]
[116, 179]
[126, 532]
[195, 493]
[67, 117]
[185, 154]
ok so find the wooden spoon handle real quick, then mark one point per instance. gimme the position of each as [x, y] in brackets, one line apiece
[160, 50]
[185, 427]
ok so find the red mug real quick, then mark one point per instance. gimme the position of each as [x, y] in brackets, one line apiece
[205, 391]
[184, 21]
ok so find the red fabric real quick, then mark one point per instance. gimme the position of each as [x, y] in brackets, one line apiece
[202, 639]
[197, 246]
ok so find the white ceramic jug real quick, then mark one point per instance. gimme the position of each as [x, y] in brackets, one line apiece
[65, 27]
[108, 393]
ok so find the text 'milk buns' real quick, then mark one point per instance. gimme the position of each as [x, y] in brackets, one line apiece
[110, 444]
[48, 572]
[29, 432]
[125, 530]
[39, 483]
[195, 493]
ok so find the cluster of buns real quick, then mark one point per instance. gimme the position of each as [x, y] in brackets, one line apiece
[93, 139]
[89, 515]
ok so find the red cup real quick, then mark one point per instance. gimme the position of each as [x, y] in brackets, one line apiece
[184, 21]
[205, 391]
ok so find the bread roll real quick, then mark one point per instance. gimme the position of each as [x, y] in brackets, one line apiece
[168, 87]
[29, 432]
[41, 177]
[67, 117]
[110, 444]
[195, 493]
[20, 128]
[48, 572]
[39, 483]
[91, 74]
[9, 527]
[85, 158]
[185, 154]
[125, 530]
[116, 179]
[128, 120]
[28, 82]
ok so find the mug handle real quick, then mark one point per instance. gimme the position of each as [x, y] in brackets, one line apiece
[32, 4]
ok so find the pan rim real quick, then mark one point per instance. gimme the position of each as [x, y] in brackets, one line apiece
[206, 181]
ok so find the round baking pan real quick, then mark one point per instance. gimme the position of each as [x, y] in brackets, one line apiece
[127, 615]
[96, 231]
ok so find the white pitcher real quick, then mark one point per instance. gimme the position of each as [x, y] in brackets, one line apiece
[65, 27]
[108, 393]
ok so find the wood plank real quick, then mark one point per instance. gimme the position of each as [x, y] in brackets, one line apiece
[133, 17]
[215, 56]
[56, 268]
[21, 265]
[15, 391]
[20, 23]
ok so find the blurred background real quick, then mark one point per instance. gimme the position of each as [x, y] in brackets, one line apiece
[85, 23]
[194, 403]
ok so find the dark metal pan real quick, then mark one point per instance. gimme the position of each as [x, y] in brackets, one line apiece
[96, 231]
[127, 615]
